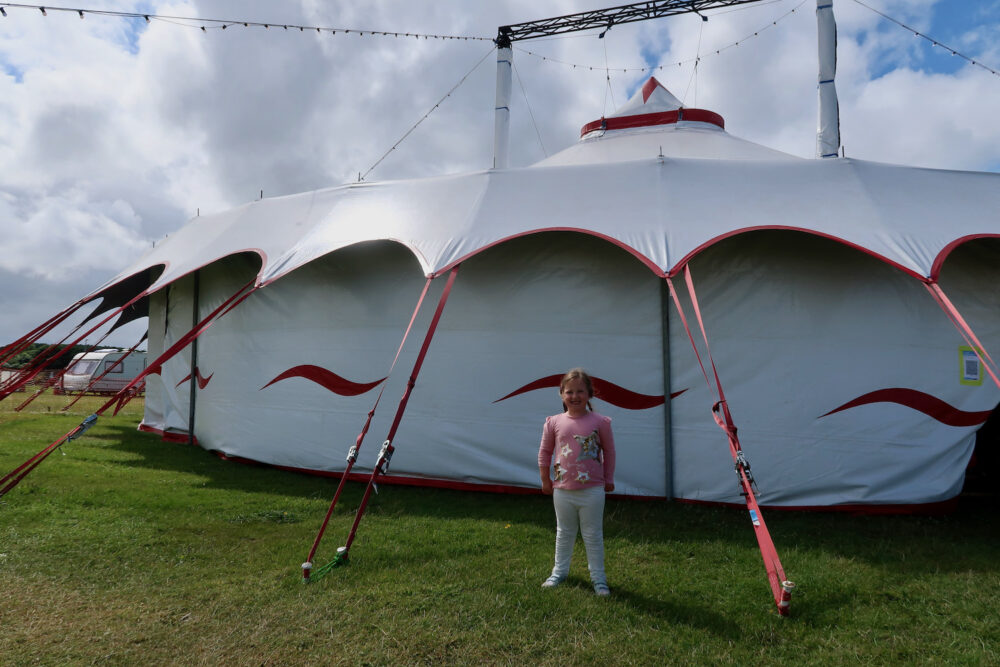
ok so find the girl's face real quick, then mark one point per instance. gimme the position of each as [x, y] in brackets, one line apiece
[575, 395]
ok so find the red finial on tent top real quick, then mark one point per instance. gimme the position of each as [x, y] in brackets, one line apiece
[649, 87]
[652, 105]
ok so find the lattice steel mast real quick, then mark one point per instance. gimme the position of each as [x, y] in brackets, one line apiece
[605, 18]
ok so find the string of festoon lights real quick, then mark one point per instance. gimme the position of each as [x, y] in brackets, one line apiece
[206, 24]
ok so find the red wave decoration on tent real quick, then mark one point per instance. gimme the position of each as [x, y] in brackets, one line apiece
[604, 390]
[326, 379]
[202, 381]
[917, 400]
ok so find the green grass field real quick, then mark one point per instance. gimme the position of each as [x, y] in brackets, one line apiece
[122, 549]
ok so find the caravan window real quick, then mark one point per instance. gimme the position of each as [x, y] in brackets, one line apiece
[109, 364]
[83, 367]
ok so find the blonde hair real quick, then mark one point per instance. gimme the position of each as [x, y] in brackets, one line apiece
[577, 374]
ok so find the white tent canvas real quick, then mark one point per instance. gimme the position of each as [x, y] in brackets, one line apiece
[849, 384]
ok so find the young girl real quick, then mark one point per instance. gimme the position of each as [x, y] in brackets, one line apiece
[584, 451]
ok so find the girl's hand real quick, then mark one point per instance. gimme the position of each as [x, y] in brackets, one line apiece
[547, 487]
[609, 486]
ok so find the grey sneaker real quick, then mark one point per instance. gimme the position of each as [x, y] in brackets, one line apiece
[553, 581]
[602, 589]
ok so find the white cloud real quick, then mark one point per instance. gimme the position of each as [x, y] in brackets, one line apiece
[54, 237]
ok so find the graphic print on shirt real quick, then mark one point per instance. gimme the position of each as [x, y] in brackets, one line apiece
[590, 446]
[582, 449]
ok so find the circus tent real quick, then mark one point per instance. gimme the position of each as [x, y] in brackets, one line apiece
[816, 281]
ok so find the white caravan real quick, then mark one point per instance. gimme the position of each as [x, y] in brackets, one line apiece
[88, 366]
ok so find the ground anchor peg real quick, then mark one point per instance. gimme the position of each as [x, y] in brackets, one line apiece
[341, 557]
[786, 597]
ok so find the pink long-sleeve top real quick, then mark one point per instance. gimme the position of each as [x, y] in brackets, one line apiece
[583, 449]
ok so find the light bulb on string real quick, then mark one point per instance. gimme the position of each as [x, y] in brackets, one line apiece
[204, 24]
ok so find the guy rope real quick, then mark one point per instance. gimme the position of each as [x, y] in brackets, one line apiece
[781, 588]
[119, 400]
[385, 454]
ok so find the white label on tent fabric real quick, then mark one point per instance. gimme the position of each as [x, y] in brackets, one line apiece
[971, 372]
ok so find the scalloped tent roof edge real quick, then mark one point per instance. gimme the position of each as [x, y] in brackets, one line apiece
[662, 211]
[645, 261]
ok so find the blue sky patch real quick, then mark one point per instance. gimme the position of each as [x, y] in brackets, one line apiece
[133, 29]
[16, 72]
[949, 25]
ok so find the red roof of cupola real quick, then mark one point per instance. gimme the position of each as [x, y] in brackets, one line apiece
[652, 105]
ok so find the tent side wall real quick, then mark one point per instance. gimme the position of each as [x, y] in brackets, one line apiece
[801, 326]
[170, 316]
[172, 313]
[343, 315]
[526, 309]
[153, 418]
[970, 276]
[531, 308]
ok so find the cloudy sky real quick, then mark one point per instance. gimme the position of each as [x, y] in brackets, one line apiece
[115, 131]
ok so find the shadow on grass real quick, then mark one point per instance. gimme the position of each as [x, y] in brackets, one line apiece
[963, 541]
[672, 612]
[148, 451]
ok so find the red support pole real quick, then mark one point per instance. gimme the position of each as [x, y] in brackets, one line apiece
[41, 390]
[29, 372]
[352, 455]
[387, 449]
[57, 376]
[11, 479]
[963, 328]
[45, 358]
[781, 588]
[122, 397]
[101, 376]
[22, 343]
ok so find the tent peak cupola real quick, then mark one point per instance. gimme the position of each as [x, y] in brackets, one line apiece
[651, 105]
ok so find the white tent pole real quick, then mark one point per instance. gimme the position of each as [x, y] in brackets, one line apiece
[501, 127]
[828, 125]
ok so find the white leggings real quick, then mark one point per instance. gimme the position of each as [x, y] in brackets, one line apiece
[583, 509]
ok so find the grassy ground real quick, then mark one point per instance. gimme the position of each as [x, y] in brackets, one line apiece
[125, 549]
